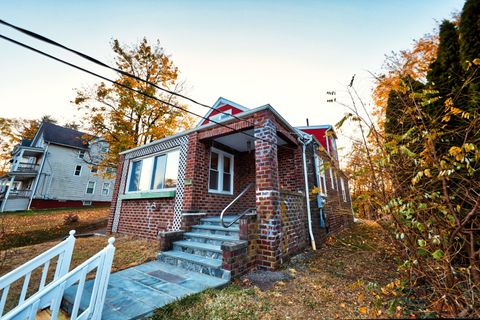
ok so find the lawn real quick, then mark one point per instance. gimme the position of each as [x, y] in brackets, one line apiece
[343, 279]
[129, 252]
[32, 227]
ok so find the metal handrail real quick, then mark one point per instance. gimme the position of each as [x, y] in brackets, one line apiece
[231, 203]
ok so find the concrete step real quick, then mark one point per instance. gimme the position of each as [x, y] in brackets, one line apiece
[209, 238]
[216, 230]
[199, 248]
[192, 262]
[215, 221]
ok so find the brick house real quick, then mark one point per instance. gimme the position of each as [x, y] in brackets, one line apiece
[174, 190]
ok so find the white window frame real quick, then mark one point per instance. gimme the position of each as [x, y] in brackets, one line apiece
[331, 178]
[94, 185]
[94, 169]
[82, 153]
[75, 170]
[153, 155]
[221, 156]
[87, 202]
[344, 193]
[103, 188]
[320, 172]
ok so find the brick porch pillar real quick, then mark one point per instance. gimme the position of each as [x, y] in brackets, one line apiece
[267, 193]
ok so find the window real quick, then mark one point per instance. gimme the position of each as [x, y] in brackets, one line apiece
[104, 149]
[220, 172]
[344, 193]
[90, 187]
[87, 203]
[110, 170]
[331, 178]
[78, 170]
[94, 169]
[154, 173]
[222, 116]
[105, 189]
[321, 178]
[81, 154]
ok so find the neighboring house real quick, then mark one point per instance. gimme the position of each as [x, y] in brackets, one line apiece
[169, 186]
[55, 170]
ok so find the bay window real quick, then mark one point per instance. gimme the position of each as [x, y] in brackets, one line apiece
[154, 173]
[220, 177]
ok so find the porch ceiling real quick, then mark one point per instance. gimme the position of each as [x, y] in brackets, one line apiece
[239, 141]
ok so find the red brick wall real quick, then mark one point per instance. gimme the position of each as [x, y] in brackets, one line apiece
[145, 217]
[294, 222]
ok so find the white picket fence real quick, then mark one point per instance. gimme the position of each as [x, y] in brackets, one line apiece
[50, 295]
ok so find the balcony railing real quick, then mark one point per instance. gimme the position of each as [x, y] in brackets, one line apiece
[26, 167]
[20, 194]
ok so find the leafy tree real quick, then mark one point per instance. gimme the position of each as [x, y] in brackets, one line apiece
[126, 119]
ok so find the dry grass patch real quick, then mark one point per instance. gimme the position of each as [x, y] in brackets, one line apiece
[32, 227]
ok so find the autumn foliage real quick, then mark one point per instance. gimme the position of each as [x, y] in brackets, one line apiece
[417, 170]
[127, 119]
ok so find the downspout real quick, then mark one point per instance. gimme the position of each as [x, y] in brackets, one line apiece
[326, 139]
[307, 193]
[35, 184]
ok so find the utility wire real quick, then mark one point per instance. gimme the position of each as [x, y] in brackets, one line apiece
[131, 89]
[103, 64]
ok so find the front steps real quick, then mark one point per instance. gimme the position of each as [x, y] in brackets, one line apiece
[200, 251]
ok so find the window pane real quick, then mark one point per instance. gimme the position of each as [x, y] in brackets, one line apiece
[226, 182]
[135, 176]
[146, 174]
[158, 172]
[214, 161]
[226, 164]
[171, 170]
[213, 180]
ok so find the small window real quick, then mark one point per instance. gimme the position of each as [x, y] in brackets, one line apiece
[78, 170]
[87, 203]
[104, 149]
[90, 187]
[332, 179]
[344, 192]
[220, 172]
[105, 189]
[321, 178]
[94, 169]
[110, 170]
[81, 154]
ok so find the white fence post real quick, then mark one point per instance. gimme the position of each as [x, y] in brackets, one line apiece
[103, 281]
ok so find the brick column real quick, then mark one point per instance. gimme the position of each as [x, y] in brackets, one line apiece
[267, 192]
[115, 194]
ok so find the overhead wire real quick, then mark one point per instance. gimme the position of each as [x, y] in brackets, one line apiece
[132, 89]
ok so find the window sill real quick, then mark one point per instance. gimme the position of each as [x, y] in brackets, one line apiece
[224, 193]
[148, 195]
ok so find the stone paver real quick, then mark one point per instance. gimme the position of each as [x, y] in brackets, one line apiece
[136, 292]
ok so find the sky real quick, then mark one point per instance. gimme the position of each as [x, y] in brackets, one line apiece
[253, 52]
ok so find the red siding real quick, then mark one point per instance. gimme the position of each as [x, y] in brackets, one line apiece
[223, 109]
[49, 204]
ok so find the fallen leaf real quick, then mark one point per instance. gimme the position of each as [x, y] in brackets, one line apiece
[362, 310]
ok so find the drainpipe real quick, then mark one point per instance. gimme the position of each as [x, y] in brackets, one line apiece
[326, 139]
[307, 193]
[37, 178]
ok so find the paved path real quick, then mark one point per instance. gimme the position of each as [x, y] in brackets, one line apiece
[136, 292]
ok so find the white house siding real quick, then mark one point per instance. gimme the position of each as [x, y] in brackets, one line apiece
[57, 180]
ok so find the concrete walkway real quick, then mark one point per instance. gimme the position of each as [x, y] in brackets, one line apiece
[136, 292]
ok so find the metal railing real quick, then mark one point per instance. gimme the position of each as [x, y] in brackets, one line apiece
[62, 250]
[51, 295]
[231, 203]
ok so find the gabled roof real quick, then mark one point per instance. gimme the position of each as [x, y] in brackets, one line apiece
[219, 103]
[62, 136]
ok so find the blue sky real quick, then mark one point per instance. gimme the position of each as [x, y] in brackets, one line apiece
[286, 53]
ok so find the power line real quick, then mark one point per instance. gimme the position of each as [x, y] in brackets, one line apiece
[131, 89]
[103, 64]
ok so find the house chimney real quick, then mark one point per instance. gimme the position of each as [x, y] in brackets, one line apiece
[307, 123]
